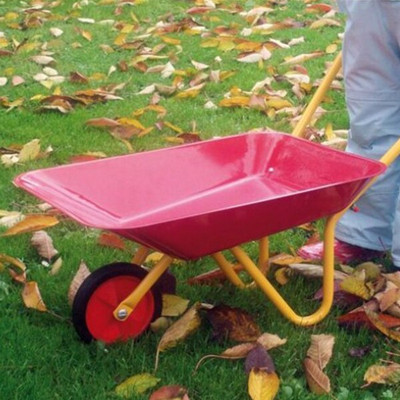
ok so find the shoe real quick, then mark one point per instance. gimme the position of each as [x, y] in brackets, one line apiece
[344, 252]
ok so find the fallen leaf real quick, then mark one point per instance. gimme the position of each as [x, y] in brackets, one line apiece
[173, 306]
[30, 223]
[354, 285]
[82, 273]
[44, 244]
[233, 323]
[383, 374]
[317, 381]
[262, 385]
[170, 392]
[32, 298]
[382, 326]
[56, 266]
[321, 349]
[30, 151]
[109, 239]
[180, 330]
[136, 384]
[258, 358]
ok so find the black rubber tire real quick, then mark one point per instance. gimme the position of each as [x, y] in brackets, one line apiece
[93, 281]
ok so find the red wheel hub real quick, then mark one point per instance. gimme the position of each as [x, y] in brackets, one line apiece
[100, 319]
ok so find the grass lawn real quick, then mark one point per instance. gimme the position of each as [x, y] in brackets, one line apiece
[145, 56]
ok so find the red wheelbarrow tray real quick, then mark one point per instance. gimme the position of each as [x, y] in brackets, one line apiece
[196, 199]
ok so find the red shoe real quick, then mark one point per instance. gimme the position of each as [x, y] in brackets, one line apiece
[344, 252]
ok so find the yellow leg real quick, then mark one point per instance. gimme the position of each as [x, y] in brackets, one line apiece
[226, 267]
[263, 254]
[140, 256]
[126, 306]
[277, 299]
[318, 97]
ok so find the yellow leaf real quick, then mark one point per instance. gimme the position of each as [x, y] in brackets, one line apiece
[281, 276]
[11, 16]
[5, 259]
[278, 103]
[173, 127]
[329, 132]
[226, 44]
[263, 385]
[32, 223]
[87, 35]
[236, 101]
[132, 122]
[173, 306]
[136, 384]
[120, 39]
[354, 285]
[30, 151]
[332, 48]
[214, 42]
[384, 374]
[169, 40]
[324, 22]
[32, 298]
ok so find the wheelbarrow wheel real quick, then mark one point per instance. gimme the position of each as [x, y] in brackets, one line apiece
[99, 295]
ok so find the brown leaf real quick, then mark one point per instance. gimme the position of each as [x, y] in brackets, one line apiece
[102, 122]
[109, 239]
[233, 323]
[44, 244]
[82, 273]
[321, 349]
[170, 392]
[382, 326]
[317, 381]
[263, 385]
[32, 298]
[32, 223]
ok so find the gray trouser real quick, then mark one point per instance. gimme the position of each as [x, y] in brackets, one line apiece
[371, 65]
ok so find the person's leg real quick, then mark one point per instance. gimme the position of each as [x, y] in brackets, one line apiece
[371, 64]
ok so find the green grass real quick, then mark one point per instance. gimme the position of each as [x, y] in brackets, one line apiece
[41, 356]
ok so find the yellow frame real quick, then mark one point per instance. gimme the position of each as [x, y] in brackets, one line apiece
[257, 272]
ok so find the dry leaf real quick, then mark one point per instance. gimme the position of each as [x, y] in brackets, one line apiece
[354, 285]
[383, 374]
[30, 151]
[382, 326]
[32, 298]
[56, 266]
[32, 223]
[173, 306]
[263, 385]
[171, 392]
[233, 323]
[258, 358]
[136, 384]
[44, 244]
[315, 271]
[180, 330]
[317, 381]
[82, 273]
[321, 349]
[112, 240]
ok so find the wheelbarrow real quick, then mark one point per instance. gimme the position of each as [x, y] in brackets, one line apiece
[197, 200]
